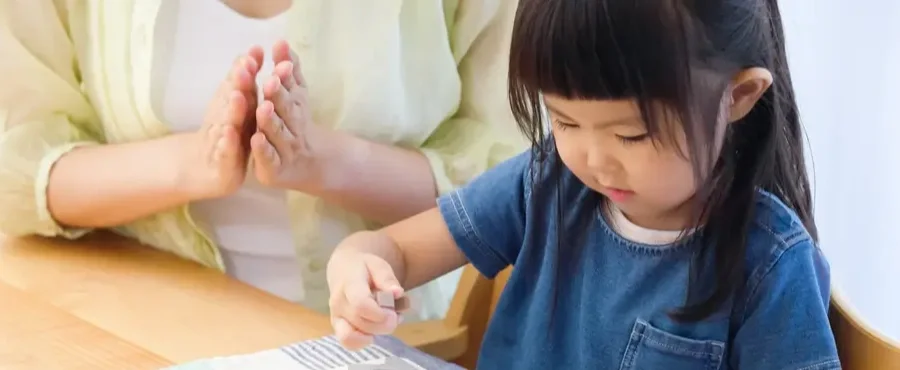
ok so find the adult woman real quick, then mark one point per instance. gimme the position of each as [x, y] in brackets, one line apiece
[123, 115]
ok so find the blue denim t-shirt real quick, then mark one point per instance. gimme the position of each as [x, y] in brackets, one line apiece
[613, 300]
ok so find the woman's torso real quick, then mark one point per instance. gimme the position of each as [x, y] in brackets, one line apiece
[251, 227]
[367, 65]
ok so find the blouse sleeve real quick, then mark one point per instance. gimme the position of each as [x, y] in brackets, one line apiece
[482, 133]
[43, 112]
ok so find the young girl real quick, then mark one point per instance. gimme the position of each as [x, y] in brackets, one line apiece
[665, 224]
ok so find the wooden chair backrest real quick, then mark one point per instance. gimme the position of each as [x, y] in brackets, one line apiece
[463, 328]
[860, 346]
[458, 336]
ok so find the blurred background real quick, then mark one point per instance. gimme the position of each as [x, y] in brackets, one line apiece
[845, 60]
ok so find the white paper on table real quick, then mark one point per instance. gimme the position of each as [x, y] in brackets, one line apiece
[319, 354]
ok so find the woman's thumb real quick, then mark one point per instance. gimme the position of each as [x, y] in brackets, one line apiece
[383, 277]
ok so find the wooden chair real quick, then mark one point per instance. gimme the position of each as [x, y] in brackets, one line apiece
[860, 347]
[458, 336]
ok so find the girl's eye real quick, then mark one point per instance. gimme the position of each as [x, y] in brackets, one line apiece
[563, 125]
[632, 139]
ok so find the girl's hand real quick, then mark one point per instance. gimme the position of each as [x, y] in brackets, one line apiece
[287, 148]
[353, 279]
[216, 163]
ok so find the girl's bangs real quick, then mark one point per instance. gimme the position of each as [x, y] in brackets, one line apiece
[629, 49]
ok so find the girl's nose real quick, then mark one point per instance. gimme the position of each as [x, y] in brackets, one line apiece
[600, 161]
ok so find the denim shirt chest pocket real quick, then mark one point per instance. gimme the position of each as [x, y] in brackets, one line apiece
[651, 348]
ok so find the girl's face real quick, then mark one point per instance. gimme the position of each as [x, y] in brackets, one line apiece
[605, 144]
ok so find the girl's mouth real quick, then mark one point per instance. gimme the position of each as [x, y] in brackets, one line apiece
[618, 195]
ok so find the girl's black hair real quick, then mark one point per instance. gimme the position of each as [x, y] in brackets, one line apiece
[681, 53]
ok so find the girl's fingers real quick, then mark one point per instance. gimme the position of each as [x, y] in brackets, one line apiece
[383, 277]
[348, 336]
[361, 303]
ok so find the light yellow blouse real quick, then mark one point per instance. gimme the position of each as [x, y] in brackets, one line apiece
[427, 74]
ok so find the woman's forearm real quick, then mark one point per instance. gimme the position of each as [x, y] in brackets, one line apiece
[382, 183]
[111, 185]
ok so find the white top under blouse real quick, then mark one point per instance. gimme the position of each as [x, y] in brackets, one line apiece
[636, 233]
[252, 226]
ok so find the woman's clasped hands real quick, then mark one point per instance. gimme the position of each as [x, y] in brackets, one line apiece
[276, 133]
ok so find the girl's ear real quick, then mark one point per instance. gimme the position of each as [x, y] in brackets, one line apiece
[745, 89]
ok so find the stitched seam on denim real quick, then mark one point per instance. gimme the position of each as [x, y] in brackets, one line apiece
[631, 351]
[785, 239]
[825, 365]
[761, 274]
[471, 232]
[679, 351]
[775, 206]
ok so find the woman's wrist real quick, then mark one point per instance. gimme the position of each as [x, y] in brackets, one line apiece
[380, 182]
[337, 159]
[175, 150]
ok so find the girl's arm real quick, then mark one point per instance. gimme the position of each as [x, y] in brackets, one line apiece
[482, 223]
[419, 249]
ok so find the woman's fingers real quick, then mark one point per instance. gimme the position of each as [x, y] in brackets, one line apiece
[284, 104]
[257, 54]
[281, 52]
[222, 138]
[242, 76]
[265, 158]
[285, 72]
[274, 128]
[225, 152]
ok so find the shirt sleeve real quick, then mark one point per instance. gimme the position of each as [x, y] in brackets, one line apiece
[785, 324]
[487, 217]
[43, 112]
[482, 133]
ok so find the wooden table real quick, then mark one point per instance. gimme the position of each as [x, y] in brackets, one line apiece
[107, 303]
